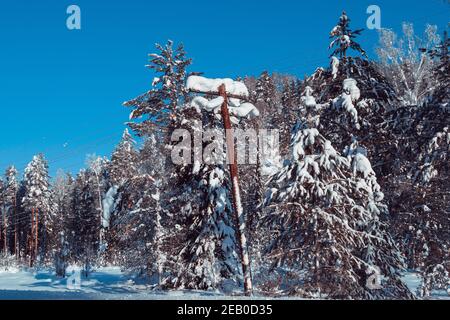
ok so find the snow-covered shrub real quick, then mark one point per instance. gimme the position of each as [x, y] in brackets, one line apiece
[9, 263]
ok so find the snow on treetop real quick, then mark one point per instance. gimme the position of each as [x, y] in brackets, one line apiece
[343, 17]
[198, 83]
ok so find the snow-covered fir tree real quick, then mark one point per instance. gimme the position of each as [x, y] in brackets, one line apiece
[343, 38]
[62, 201]
[204, 224]
[159, 106]
[37, 197]
[123, 164]
[209, 254]
[265, 93]
[98, 175]
[135, 224]
[153, 115]
[435, 278]
[8, 205]
[84, 222]
[326, 222]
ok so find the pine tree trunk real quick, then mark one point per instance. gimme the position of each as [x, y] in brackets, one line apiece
[36, 243]
[30, 239]
[15, 229]
[5, 234]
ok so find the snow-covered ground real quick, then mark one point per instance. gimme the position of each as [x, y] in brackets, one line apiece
[110, 284]
[104, 284]
[413, 280]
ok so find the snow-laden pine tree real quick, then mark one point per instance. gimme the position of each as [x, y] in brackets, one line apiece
[343, 38]
[434, 278]
[137, 234]
[154, 115]
[351, 102]
[4, 223]
[265, 94]
[8, 204]
[62, 200]
[123, 164]
[84, 222]
[324, 213]
[277, 97]
[98, 175]
[209, 254]
[157, 108]
[418, 204]
[135, 225]
[37, 197]
[204, 223]
[394, 138]
[122, 168]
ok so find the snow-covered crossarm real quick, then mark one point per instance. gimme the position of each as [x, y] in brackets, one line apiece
[235, 89]
[236, 92]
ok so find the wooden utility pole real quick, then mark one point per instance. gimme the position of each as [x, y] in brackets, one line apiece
[237, 204]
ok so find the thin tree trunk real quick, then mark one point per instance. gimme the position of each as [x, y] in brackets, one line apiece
[30, 240]
[36, 245]
[15, 228]
[5, 233]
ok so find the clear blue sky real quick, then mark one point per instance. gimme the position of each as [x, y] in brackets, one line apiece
[61, 91]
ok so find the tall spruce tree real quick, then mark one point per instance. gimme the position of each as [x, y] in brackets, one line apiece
[9, 210]
[327, 222]
[84, 222]
[62, 200]
[123, 164]
[37, 197]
